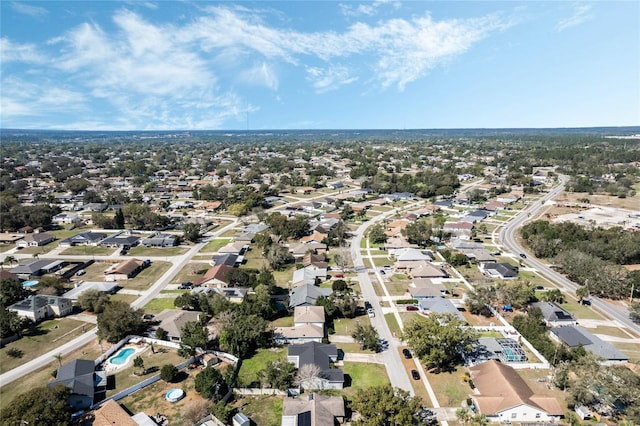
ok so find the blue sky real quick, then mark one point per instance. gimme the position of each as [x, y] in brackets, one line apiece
[138, 65]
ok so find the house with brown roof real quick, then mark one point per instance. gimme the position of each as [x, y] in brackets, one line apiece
[124, 270]
[111, 413]
[427, 270]
[172, 321]
[215, 277]
[317, 260]
[503, 396]
[314, 409]
[316, 237]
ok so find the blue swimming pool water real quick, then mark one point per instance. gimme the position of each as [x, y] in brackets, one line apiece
[31, 283]
[174, 395]
[122, 356]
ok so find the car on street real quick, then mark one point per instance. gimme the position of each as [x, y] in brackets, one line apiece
[522, 255]
[371, 313]
[406, 353]
[415, 374]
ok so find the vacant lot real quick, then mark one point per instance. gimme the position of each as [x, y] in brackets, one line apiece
[630, 203]
[250, 367]
[40, 339]
[214, 245]
[450, 388]
[156, 306]
[88, 251]
[363, 376]
[157, 251]
[147, 277]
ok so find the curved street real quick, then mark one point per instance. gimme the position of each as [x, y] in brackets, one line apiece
[508, 237]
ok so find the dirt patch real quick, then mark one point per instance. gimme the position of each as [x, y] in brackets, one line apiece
[629, 203]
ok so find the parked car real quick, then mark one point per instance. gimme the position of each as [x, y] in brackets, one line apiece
[339, 275]
[371, 313]
[522, 255]
[415, 375]
[81, 272]
[406, 353]
[412, 308]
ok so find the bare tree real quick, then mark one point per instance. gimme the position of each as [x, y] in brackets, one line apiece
[195, 411]
[307, 373]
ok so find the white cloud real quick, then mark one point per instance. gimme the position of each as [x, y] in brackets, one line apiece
[328, 79]
[13, 52]
[175, 75]
[30, 10]
[261, 74]
[367, 9]
[581, 14]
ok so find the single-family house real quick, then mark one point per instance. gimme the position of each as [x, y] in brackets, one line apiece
[226, 259]
[172, 321]
[36, 240]
[159, 239]
[121, 239]
[439, 305]
[313, 410]
[102, 287]
[87, 238]
[318, 355]
[316, 260]
[36, 268]
[500, 270]
[573, 336]
[124, 270]
[216, 276]
[462, 229]
[308, 326]
[38, 306]
[410, 254]
[306, 295]
[503, 396]
[481, 257]
[422, 288]
[87, 385]
[554, 315]
[111, 413]
[427, 270]
[309, 275]
[65, 218]
[237, 248]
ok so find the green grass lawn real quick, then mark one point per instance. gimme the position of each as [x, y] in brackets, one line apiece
[345, 326]
[250, 367]
[580, 311]
[156, 306]
[364, 376]
[449, 388]
[147, 277]
[191, 272]
[215, 245]
[142, 251]
[392, 322]
[89, 251]
[40, 339]
[126, 298]
[283, 322]
[262, 410]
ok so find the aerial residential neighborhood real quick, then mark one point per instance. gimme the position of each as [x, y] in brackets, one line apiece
[289, 282]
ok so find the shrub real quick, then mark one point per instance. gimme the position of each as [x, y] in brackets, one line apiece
[15, 353]
[168, 372]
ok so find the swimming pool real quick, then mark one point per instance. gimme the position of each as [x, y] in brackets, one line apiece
[31, 283]
[174, 395]
[122, 356]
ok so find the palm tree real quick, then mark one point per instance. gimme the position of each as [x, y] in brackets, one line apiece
[10, 260]
[59, 358]
[463, 415]
[36, 256]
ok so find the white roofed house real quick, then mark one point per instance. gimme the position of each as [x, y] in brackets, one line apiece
[38, 307]
[36, 240]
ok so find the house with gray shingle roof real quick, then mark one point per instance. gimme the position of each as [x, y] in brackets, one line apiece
[85, 383]
[554, 315]
[573, 336]
[320, 355]
[306, 295]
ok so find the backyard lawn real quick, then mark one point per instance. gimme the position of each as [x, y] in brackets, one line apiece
[250, 367]
[147, 277]
[262, 410]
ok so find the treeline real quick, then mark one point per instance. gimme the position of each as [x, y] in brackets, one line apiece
[424, 184]
[613, 245]
[590, 257]
[14, 216]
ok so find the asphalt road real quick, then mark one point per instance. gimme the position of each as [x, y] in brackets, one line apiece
[391, 357]
[508, 237]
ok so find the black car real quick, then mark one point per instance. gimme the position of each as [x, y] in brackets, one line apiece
[522, 255]
[406, 353]
[415, 375]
